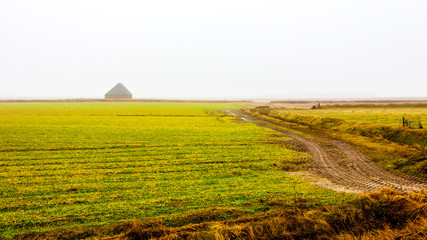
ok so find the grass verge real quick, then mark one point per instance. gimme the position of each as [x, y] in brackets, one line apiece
[385, 214]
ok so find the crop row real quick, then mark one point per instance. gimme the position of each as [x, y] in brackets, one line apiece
[65, 170]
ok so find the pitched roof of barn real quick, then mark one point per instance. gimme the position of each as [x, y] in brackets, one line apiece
[119, 90]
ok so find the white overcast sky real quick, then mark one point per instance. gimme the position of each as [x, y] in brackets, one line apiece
[213, 49]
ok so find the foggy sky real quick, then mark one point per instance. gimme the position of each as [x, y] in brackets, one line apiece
[213, 49]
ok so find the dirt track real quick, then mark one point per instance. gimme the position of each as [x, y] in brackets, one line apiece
[343, 165]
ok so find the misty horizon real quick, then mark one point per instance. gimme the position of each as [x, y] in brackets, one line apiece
[225, 50]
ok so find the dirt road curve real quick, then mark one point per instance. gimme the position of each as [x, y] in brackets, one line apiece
[342, 164]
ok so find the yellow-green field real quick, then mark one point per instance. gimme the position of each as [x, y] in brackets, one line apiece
[389, 116]
[375, 122]
[86, 164]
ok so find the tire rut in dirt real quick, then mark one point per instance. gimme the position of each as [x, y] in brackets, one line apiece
[343, 164]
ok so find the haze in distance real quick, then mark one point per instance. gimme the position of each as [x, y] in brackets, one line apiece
[214, 50]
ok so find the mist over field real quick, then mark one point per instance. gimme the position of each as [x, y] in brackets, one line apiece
[217, 50]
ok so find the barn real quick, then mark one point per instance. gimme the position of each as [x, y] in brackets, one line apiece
[118, 92]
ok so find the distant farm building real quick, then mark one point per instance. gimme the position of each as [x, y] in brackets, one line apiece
[118, 92]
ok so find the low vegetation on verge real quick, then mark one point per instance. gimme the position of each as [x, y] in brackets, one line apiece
[385, 214]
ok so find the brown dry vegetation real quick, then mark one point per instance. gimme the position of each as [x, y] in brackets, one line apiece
[385, 214]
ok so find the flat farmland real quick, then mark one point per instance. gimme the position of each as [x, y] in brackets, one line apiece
[389, 116]
[86, 164]
[375, 129]
[369, 121]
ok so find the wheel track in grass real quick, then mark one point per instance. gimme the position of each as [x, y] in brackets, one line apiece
[342, 164]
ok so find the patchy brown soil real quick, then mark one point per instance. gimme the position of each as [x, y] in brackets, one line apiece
[344, 167]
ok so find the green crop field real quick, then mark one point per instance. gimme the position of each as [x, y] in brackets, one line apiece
[87, 164]
[379, 122]
[382, 115]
